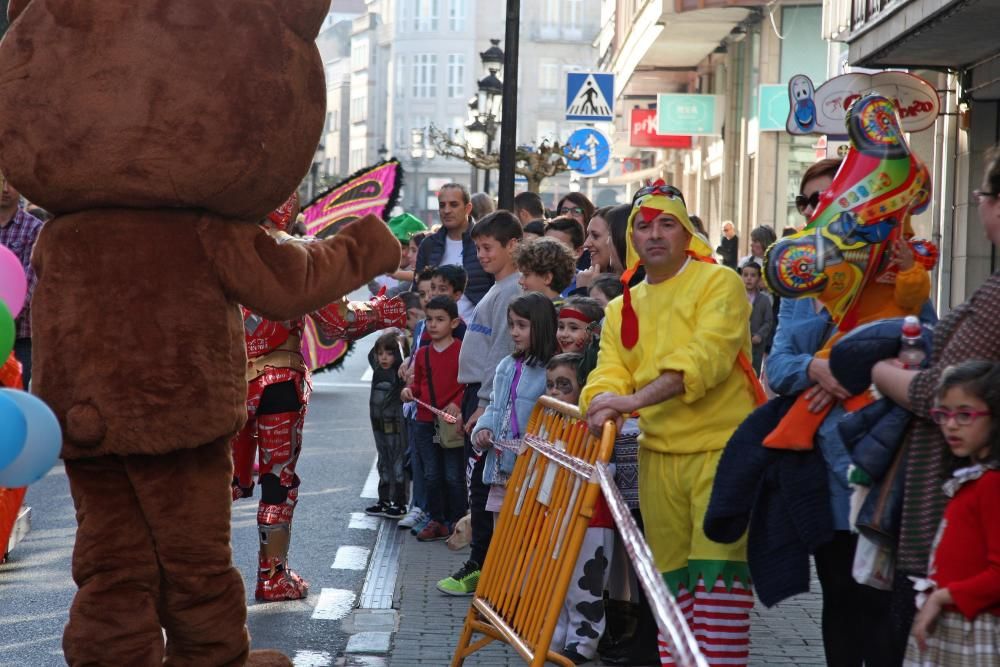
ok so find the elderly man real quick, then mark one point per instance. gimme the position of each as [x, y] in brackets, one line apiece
[688, 376]
[729, 245]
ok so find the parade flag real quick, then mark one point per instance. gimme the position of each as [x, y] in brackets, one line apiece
[372, 190]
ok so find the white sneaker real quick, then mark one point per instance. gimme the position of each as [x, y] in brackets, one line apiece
[411, 517]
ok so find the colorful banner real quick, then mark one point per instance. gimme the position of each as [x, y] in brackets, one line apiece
[642, 132]
[372, 190]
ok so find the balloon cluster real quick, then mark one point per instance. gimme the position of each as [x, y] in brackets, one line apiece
[30, 437]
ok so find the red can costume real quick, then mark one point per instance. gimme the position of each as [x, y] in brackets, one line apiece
[278, 388]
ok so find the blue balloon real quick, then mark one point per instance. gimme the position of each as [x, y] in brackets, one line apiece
[13, 431]
[42, 442]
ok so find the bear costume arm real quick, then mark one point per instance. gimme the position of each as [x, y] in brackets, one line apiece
[284, 281]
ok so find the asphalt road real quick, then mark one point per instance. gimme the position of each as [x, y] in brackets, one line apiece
[36, 588]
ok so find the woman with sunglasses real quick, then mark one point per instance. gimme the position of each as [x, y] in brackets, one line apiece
[970, 331]
[854, 616]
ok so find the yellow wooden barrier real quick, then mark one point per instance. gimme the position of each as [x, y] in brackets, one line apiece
[550, 499]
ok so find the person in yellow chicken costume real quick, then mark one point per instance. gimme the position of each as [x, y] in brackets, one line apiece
[675, 348]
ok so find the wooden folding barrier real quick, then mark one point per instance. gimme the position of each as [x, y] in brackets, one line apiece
[549, 501]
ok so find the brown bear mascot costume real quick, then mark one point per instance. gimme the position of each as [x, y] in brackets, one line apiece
[160, 132]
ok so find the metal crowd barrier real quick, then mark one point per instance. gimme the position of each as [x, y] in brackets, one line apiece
[550, 499]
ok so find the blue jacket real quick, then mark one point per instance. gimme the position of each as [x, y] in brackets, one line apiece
[530, 387]
[432, 250]
[801, 332]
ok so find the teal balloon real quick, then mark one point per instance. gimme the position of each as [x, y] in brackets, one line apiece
[13, 431]
[42, 442]
[6, 332]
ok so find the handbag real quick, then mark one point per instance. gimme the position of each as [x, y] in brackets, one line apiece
[874, 562]
[446, 435]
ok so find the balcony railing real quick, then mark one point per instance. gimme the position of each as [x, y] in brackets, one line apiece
[692, 5]
[841, 18]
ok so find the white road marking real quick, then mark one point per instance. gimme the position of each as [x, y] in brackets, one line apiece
[362, 521]
[334, 604]
[340, 385]
[312, 659]
[368, 375]
[351, 558]
[370, 489]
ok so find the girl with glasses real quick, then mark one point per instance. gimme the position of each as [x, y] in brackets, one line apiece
[959, 620]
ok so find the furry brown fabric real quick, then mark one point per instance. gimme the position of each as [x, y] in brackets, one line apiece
[143, 348]
[160, 131]
[213, 104]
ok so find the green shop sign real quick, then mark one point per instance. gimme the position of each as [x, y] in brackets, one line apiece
[689, 115]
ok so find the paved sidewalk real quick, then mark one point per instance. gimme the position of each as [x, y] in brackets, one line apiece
[430, 622]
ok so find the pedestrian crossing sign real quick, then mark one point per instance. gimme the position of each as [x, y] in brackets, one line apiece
[590, 96]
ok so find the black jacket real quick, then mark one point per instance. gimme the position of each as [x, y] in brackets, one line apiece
[783, 496]
[432, 250]
[729, 249]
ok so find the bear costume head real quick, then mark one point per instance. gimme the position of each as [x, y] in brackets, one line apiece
[208, 104]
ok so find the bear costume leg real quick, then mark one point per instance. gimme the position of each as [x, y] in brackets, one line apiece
[152, 550]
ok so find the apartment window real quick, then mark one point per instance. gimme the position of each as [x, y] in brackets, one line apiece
[404, 13]
[573, 14]
[456, 15]
[548, 77]
[359, 56]
[426, 17]
[456, 75]
[550, 13]
[357, 159]
[359, 108]
[424, 77]
[400, 75]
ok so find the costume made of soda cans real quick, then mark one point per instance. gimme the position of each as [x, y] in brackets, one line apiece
[278, 388]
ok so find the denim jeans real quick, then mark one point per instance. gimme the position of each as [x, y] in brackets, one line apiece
[419, 496]
[444, 476]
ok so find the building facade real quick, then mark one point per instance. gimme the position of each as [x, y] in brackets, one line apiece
[412, 64]
[950, 44]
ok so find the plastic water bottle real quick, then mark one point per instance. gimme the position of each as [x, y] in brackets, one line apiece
[912, 351]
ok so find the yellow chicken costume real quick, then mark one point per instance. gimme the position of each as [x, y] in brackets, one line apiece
[695, 323]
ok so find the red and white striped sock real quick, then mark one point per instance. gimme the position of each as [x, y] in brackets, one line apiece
[722, 622]
[686, 603]
[719, 620]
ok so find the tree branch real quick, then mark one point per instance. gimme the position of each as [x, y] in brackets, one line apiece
[533, 163]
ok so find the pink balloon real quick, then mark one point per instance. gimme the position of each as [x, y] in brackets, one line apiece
[13, 282]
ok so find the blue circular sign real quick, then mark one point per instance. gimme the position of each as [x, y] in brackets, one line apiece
[588, 151]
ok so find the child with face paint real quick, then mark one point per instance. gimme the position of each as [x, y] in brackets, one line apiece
[579, 321]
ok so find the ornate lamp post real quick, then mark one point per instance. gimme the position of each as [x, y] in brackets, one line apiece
[486, 106]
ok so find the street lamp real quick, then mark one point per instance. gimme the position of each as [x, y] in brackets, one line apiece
[486, 106]
[383, 152]
[421, 150]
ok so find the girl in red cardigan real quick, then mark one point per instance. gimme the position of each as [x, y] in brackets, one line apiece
[959, 622]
